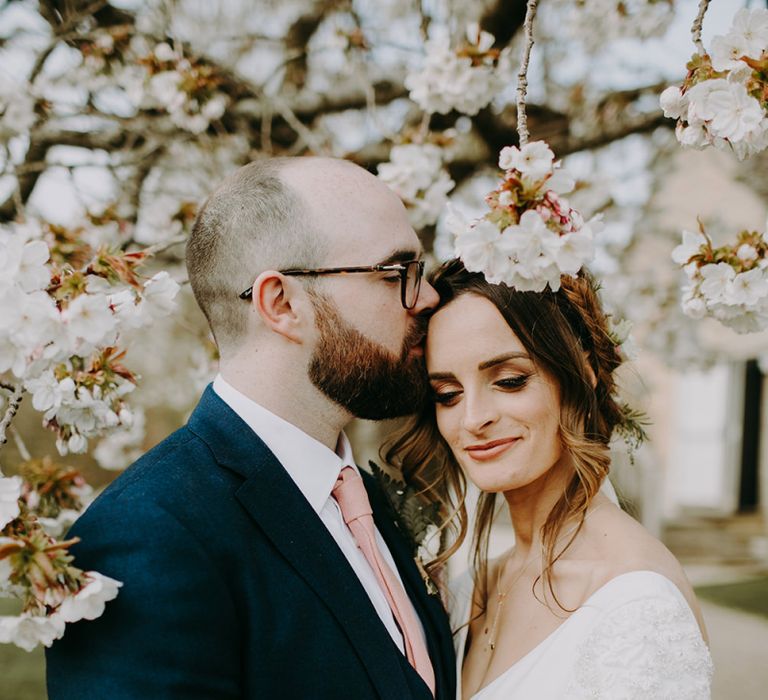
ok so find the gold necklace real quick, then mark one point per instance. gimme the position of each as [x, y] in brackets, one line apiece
[502, 595]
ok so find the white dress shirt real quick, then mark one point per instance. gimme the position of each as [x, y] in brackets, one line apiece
[314, 469]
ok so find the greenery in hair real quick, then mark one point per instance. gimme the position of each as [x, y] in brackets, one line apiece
[632, 426]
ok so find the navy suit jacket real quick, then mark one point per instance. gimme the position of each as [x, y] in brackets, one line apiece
[233, 587]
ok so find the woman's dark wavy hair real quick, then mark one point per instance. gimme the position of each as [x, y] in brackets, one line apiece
[566, 335]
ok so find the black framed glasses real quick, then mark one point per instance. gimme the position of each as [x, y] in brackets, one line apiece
[410, 271]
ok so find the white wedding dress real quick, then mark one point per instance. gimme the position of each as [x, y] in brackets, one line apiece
[634, 638]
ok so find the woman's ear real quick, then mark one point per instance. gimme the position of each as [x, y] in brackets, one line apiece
[277, 302]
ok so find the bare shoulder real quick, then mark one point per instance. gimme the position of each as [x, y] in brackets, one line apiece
[620, 544]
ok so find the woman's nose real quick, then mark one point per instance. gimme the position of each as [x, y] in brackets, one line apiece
[479, 414]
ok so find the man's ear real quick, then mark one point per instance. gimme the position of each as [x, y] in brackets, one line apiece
[277, 302]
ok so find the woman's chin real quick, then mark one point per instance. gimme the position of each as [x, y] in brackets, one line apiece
[491, 483]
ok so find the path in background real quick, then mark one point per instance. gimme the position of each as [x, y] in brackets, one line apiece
[739, 646]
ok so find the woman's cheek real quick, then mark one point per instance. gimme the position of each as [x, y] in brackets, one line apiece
[444, 424]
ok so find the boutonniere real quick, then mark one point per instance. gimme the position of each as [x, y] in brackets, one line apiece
[416, 519]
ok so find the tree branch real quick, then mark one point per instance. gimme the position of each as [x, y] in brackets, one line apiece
[298, 37]
[698, 23]
[522, 76]
[14, 401]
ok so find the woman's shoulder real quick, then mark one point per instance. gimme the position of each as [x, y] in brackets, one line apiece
[630, 561]
[623, 545]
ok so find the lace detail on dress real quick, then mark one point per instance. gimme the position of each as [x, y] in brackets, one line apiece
[650, 648]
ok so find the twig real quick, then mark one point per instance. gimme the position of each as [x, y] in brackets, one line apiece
[14, 401]
[522, 76]
[295, 123]
[266, 128]
[164, 245]
[697, 25]
[20, 446]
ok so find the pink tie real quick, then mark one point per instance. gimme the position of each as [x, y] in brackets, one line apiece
[352, 498]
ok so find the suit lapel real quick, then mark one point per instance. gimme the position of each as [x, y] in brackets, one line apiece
[279, 508]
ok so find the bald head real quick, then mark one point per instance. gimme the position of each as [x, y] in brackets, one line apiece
[275, 214]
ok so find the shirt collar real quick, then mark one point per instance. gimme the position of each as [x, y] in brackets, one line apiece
[313, 467]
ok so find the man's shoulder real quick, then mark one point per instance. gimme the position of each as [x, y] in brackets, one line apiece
[178, 470]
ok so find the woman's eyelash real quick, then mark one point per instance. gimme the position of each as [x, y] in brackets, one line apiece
[513, 382]
[445, 397]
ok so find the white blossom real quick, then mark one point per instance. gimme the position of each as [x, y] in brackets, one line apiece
[27, 631]
[694, 305]
[561, 182]
[48, 392]
[164, 53]
[416, 174]
[127, 307]
[89, 602]
[532, 248]
[716, 279]
[535, 159]
[673, 102]
[478, 247]
[694, 135]
[411, 168]
[165, 89]
[89, 318]
[572, 251]
[5, 571]
[692, 242]
[17, 108]
[727, 50]
[214, 108]
[722, 113]
[159, 295]
[448, 81]
[118, 449]
[77, 444]
[747, 288]
[57, 526]
[10, 492]
[751, 27]
[23, 263]
[746, 253]
[737, 113]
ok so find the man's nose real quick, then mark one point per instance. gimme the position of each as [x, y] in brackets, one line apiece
[428, 299]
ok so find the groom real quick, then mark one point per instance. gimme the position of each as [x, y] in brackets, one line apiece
[250, 565]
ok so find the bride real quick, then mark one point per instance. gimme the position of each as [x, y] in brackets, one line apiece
[587, 604]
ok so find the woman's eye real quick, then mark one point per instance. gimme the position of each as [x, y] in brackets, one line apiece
[446, 398]
[513, 382]
[392, 279]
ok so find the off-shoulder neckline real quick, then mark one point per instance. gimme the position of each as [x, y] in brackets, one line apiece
[590, 601]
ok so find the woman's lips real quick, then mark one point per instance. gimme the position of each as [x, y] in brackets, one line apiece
[490, 450]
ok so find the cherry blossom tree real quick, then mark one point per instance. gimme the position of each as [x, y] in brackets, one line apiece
[116, 118]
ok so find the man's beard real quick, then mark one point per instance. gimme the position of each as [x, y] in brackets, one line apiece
[362, 376]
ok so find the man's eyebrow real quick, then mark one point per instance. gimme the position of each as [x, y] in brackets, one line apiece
[401, 256]
[499, 359]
